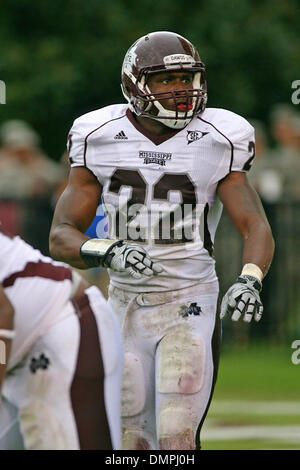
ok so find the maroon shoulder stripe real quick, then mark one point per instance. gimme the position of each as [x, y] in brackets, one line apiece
[225, 137]
[94, 130]
[39, 269]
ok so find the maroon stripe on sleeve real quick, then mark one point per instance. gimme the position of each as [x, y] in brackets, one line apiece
[94, 130]
[39, 269]
[230, 143]
[87, 388]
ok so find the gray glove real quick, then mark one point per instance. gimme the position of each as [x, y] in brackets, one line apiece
[119, 256]
[242, 298]
[132, 259]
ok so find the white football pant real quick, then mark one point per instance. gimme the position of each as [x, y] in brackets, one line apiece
[169, 365]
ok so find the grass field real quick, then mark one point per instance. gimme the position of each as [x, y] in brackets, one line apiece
[256, 403]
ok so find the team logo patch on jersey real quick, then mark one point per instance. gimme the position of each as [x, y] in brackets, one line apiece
[192, 136]
[192, 309]
[41, 362]
[121, 136]
[159, 158]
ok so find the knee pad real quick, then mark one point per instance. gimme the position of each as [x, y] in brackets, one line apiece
[133, 388]
[175, 428]
[136, 439]
[181, 363]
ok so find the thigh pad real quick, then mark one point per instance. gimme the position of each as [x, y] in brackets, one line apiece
[181, 363]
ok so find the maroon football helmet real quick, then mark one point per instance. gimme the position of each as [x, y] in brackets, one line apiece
[156, 52]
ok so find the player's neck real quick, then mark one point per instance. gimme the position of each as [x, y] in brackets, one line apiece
[153, 126]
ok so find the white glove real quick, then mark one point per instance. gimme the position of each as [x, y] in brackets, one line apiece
[242, 298]
[132, 259]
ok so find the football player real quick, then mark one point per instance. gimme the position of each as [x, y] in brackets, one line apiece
[62, 388]
[165, 165]
[6, 333]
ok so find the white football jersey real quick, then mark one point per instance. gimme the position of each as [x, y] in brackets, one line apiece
[38, 288]
[160, 191]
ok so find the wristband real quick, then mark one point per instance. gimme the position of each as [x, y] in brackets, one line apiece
[253, 270]
[8, 334]
[95, 250]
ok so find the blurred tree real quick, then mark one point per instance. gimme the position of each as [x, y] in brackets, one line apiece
[62, 60]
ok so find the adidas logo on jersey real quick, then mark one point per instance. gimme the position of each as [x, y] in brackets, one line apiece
[121, 136]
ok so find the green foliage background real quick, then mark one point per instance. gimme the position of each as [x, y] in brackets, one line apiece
[62, 59]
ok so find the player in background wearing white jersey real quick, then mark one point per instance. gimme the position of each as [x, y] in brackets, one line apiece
[165, 164]
[60, 380]
[6, 331]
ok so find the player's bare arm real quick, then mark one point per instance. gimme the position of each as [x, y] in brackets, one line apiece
[6, 329]
[245, 210]
[74, 213]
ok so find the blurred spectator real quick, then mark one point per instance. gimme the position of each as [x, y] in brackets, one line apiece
[285, 126]
[28, 178]
[25, 170]
[265, 175]
[275, 173]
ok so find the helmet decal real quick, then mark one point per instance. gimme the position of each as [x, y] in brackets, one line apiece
[172, 60]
